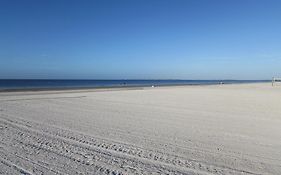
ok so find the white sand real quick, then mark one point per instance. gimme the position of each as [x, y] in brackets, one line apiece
[223, 129]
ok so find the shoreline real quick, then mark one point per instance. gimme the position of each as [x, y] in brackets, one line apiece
[130, 87]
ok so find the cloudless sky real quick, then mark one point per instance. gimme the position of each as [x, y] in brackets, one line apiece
[140, 39]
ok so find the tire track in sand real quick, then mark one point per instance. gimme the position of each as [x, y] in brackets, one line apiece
[100, 153]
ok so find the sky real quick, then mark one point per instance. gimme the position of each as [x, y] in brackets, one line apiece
[140, 39]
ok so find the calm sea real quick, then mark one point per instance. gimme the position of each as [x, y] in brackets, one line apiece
[56, 84]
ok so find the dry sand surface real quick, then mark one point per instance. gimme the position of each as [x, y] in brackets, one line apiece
[220, 129]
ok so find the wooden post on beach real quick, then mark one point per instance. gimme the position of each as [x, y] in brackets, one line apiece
[273, 79]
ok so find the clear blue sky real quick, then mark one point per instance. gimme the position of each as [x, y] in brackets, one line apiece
[140, 39]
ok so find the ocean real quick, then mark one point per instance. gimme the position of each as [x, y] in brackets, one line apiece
[18, 84]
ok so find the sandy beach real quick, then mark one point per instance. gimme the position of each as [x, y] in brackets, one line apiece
[216, 129]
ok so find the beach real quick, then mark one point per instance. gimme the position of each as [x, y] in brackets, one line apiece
[212, 129]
